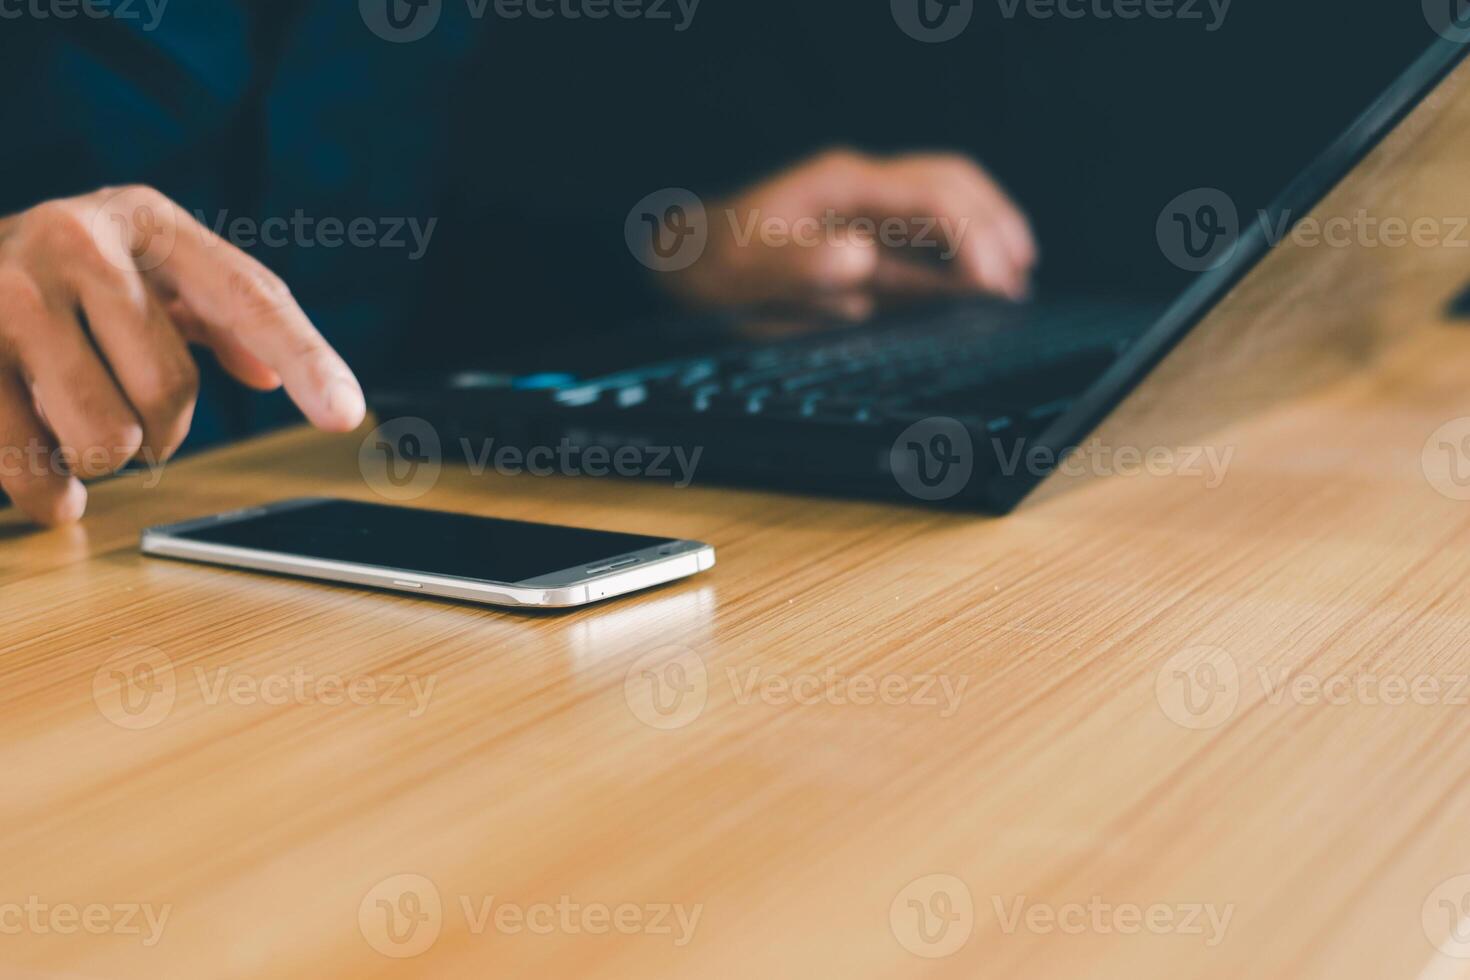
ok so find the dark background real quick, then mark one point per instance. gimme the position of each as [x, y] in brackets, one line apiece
[529, 140]
[1092, 125]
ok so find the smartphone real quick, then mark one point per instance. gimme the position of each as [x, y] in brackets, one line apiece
[429, 552]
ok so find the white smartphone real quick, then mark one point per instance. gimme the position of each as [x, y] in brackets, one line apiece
[429, 552]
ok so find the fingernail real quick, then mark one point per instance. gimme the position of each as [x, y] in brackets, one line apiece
[73, 503]
[345, 403]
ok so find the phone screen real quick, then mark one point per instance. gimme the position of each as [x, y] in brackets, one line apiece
[425, 541]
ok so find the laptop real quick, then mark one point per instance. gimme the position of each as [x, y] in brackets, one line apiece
[937, 403]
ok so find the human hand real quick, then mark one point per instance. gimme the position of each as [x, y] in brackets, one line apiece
[100, 296]
[842, 232]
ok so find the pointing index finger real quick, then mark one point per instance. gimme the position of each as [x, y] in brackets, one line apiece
[242, 304]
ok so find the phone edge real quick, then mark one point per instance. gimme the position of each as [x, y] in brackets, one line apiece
[161, 542]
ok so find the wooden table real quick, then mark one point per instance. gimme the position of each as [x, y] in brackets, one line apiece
[1205, 721]
[1051, 745]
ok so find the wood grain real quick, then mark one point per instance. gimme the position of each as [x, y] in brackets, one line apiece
[788, 803]
[1058, 776]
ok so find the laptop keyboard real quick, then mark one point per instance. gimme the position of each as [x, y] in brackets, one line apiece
[999, 364]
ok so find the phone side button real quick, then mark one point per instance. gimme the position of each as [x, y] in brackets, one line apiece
[408, 585]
